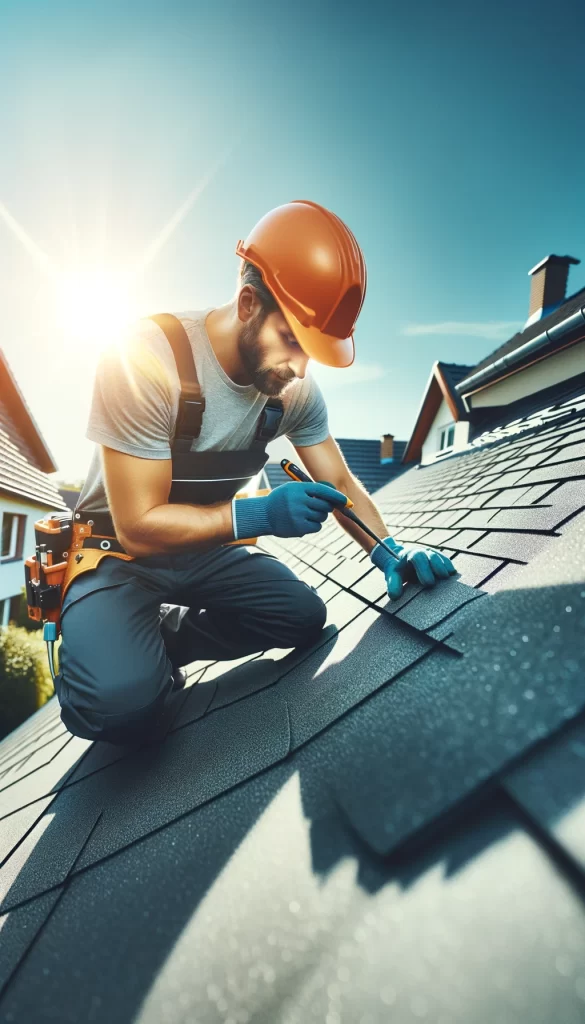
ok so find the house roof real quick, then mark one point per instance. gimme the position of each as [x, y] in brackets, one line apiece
[440, 386]
[70, 496]
[19, 477]
[388, 825]
[17, 415]
[25, 459]
[570, 305]
[363, 458]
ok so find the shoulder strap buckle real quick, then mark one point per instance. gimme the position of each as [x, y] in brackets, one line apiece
[189, 418]
[269, 421]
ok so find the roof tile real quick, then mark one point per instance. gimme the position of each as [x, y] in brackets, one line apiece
[436, 602]
[549, 783]
[473, 568]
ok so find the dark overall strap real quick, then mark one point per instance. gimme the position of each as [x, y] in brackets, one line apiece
[192, 402]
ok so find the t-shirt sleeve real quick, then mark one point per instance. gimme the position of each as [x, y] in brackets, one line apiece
[308, 422]
[131, 406]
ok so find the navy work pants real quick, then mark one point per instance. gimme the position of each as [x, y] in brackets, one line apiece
[116, 666]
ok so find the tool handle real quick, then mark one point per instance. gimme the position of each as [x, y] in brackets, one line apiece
[296, 473]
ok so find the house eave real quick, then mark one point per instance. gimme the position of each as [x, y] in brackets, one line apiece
[564, 334]
[436, 389]
[24, 418]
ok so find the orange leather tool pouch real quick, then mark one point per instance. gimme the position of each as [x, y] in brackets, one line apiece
[82, 559]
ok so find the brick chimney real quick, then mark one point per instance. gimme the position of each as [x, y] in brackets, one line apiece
[387, 448]
[548, 286]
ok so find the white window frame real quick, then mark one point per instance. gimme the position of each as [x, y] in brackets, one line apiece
[13, 536]
[444, 435]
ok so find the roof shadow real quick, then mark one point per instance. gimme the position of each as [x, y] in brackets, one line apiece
[189, 827]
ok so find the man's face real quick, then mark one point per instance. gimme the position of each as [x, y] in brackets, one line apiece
[271, 354]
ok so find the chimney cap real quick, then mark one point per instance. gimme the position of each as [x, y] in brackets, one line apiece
[553, 259]
[388, 435]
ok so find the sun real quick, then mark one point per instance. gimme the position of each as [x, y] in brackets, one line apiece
[93, 304]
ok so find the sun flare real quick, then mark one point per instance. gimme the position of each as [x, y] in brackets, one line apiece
[93, 305]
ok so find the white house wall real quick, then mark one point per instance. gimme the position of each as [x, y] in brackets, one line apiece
[562, 366]
[12, 573]
[444, 418]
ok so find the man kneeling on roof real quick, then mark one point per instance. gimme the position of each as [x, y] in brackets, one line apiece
[181, 414]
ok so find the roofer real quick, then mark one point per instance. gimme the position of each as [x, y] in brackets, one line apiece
[182, 410]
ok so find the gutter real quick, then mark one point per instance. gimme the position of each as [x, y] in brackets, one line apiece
[556, 337]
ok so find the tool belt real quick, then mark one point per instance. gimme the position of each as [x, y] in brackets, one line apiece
[68, 544]
[65, 547]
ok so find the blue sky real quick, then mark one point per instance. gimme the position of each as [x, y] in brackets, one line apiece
[448, 136]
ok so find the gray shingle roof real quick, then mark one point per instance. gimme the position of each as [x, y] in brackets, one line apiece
[19, 477]
[571, 305]
[385, 826]
[18, 418]
[363, 459]
[25, 460]
[70, 497]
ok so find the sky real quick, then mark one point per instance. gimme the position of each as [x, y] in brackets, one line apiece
[142, 140]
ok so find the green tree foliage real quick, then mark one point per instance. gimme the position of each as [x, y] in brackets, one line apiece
[25, 679]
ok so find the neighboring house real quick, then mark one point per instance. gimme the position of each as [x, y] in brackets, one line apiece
[26, 491]
[373, 462]
[460, 402]
[388, 825]
[70, 496]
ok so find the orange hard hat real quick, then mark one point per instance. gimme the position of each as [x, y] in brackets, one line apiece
[313, 266]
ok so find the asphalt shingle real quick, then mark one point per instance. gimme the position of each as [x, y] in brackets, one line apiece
[303, 802]
[550, 786]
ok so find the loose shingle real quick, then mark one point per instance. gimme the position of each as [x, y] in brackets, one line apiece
[449, 724]
[435, 603]
[332, 680]
[550, 785]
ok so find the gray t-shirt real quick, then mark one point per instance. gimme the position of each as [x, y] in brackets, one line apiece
[136, 400]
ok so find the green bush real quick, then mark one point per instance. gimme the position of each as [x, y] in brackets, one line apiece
[25, 678]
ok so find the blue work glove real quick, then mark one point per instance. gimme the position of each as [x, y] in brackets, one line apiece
[290, 510]
[422, 564]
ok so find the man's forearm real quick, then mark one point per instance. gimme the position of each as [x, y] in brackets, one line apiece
[172, 528]
[366, 509]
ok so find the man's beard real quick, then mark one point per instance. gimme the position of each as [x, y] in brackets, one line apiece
[265, 380]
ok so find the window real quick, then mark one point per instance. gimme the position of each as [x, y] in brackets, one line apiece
[446, 436]
[12, 542]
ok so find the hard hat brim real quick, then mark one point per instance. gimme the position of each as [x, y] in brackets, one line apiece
[323, 348]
